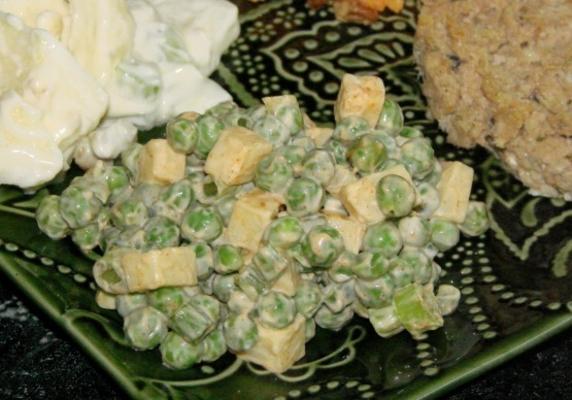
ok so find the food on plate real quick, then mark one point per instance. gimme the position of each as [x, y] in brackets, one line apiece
[241, 230]
[497, 74]
[362, 11]
[79, 78]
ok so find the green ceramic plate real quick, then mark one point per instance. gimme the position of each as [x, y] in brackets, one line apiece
[515, 282]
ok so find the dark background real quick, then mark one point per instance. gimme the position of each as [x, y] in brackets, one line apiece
[39, 361]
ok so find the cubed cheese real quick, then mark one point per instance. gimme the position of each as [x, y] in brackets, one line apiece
[272, 103]
[342, 176]
[250, 216]
[360, 96]
[288, 281]
[278, 349]
[395, 5]
[173, 266]
[454, 191]
[352, 230]
[235, 155]
[160, 164]
[319, 135]
[359, 198]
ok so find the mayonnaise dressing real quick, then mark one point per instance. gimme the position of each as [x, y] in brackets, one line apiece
[134, 64]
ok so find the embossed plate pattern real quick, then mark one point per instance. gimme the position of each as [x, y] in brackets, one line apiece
[515, 279]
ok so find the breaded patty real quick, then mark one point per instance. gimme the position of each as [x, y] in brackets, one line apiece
[499, 74]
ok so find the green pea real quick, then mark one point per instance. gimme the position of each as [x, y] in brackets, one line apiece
[209, 129]
[131, 238]
[418, 263]
[434, 177]
[410, 132]
[401, 272]
[350, 128]
[130, 159]
[448, 299]
[79, 207]
[49, 218]
[326, 319]
[304, 196]
[202, 224]
[415, 231]
[477, 219]
[429, 199]
[308, 298]
[204, 259]
[322, 245]
[161, 232]
[310, 330]
[303, 141]
[294, 155]
[337, 296]
[392, 150]
[418, 157]
[383, 237]
[221, 109]
[207, 305]
[385, 322]
[127, 303]
[167, 299]
[145, 328]
[191, 323]
[342, 269]
[338, 150]
[284, 232]
[177, 353]
[225, 205]
[273, 173]
[255, 113]
[129, 212]
[272, 129]
[251, 282]
[291, 116]
[375, 293]
[223, 286]
[147, 193]
[182, 135]
[395, 196]
[319, 165]
[228, 259]
[240, 332]
[174, 200]
[206, 286]
[370, 266]
[444, 234]
[204, 188]
[391, 118]
[367, 154]
[88, 237]
[276, 310]
[109, 237]
[214, 346]
[117, 178]
[270, 263]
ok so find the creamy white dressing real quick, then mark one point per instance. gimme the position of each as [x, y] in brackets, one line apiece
[134, 64]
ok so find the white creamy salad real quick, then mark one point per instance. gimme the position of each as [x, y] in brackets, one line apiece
[78, 78]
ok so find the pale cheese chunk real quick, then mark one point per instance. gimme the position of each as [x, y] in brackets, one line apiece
[454, 191]
[278, 349]
[359, 198]
[235, 155]
[173, 266]
[319, 136]
[288, 281]
[272, 103]
[360, 96]
[250, 216]
[352, 230]
[160, 164]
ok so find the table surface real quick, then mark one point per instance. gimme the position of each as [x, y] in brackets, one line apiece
[39, 361]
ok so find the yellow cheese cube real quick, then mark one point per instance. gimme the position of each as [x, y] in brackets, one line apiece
[160, 164]
[288, 281]
[278, 349]
[235, 155]
[360, 96]
[359, 198]
[352, 231]
[319, 135]
[250, 216]
[173, 266]
[454, 191]
[272, 103]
